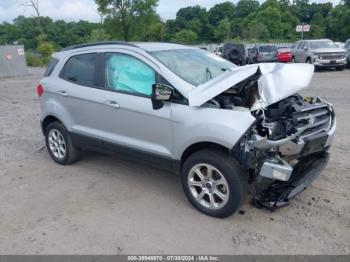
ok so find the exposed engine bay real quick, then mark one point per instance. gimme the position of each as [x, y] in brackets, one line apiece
[287, 137]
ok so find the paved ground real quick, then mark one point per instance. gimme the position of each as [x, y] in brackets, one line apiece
[102, 205]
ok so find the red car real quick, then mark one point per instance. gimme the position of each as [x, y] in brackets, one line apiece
[284, 55]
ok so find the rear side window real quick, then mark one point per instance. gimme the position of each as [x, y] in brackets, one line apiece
[80, 69]
[301, 45]
[51, 67]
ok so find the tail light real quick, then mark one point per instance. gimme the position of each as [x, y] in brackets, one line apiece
[40, 90]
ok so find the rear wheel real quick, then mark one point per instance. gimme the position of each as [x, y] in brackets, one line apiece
[59, 144]
[214, 183]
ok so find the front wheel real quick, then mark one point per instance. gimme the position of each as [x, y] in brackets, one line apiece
[214, 183]
[340, 68]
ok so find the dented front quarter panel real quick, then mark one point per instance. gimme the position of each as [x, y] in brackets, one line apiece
[192, 125]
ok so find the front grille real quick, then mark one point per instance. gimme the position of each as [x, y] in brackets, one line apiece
[332, 57]
[317, 116]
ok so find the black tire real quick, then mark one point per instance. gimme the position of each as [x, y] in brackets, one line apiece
[71, 153]
[230, 169]
[340, 68]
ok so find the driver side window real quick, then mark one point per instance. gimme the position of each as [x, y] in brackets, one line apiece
[301, 45]
[127, 74]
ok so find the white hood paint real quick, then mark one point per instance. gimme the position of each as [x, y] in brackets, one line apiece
[277, 81]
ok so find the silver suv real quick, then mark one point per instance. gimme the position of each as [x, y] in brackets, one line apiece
[347, 48]
[322, 53]
[226, 130]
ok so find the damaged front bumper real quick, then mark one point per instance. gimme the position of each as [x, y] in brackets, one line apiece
[279, 193]
[283, 168]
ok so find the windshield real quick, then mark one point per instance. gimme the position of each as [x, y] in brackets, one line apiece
[267, 49]
[195, 66]
[322, 44]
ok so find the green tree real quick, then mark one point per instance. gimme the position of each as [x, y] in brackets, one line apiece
[156, 32]
[219, 12]
[45, 49]
[185, 36]
[271, 17]
[256, 31]
[339, 23]
[223, 30]
[318, 26]
[246, 7]
[195, 18]
[124, 14]
[98, 35]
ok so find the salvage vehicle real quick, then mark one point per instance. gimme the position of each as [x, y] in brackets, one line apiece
[284, 55]
[235, 53]
[218, 50]
[226, 130]
[322, 53]
[347, 47]
[264, 54]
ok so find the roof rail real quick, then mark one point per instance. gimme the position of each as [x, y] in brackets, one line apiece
[97, 44]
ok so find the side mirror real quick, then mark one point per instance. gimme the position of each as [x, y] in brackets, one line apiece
[160, 93]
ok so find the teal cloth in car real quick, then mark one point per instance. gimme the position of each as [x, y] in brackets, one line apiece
[126, 73]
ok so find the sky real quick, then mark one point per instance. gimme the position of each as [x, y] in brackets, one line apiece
[74, 10]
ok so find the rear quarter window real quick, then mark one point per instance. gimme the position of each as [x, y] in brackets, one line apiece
[52, 64]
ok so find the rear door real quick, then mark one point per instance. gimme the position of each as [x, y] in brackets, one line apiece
[73, 89]
[79, 91]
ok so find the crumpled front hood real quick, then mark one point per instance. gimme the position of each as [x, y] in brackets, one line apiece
[277, 81]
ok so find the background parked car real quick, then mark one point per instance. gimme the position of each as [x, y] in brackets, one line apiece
[218, 50]
[340, 44]
[234, 53]
[347, 47]
[284, 55]
[263, 54]
[249, 57]
[321, 53]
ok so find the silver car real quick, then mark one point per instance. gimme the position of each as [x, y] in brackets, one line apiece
[264, 54]
[347, 47]
[322, 53]
[226, 130]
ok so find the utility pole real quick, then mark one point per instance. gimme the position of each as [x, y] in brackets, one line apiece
[302, 31]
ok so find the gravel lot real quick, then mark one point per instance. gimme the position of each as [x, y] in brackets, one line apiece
[103, 205]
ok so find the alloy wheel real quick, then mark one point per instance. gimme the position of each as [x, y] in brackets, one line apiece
[208, 186]
[57, 144]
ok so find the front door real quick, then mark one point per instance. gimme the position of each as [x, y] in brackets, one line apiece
[127, 118]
